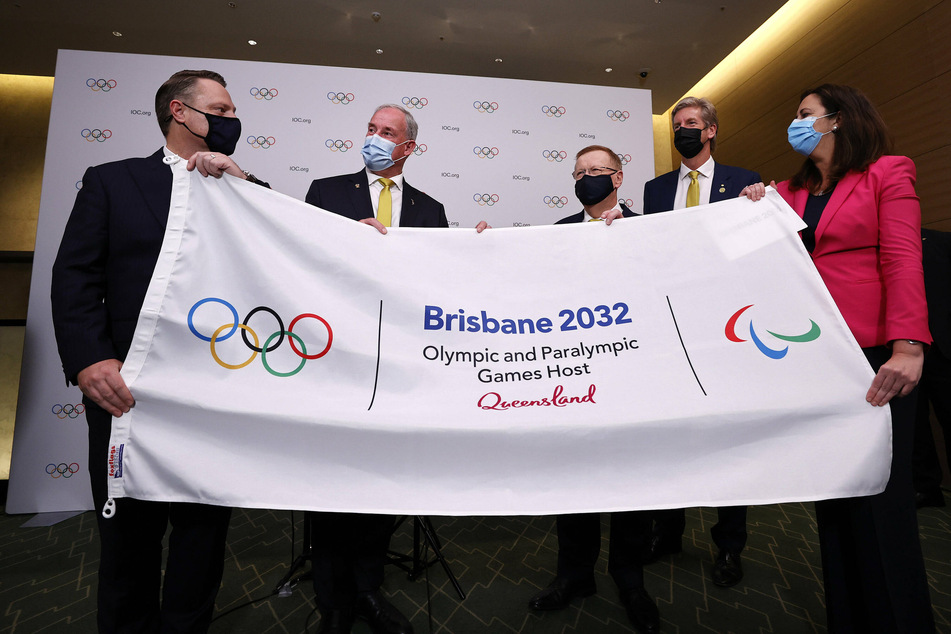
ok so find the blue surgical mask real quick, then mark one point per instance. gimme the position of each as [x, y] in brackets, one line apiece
[378, 153]
[803, 136]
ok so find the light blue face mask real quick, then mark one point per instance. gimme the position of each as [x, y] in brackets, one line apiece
[378, 153]
[803, 136]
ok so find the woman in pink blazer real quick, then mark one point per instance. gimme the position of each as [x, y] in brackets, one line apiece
[863, 233]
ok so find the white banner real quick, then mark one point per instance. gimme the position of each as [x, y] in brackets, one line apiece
[687, 358]
[490, 149]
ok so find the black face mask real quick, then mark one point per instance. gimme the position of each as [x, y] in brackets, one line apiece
[687, 141]
[591, 190]
[223, 132]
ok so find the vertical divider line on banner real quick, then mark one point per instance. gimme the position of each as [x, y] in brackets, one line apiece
[684, 347]
[379, 337]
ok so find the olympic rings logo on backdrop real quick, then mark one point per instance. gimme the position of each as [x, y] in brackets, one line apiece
[96, 134]
[68, 411]
[257, 348]
[420, 149]
[340, 97]
[105, 85]
[336, 145]
[62, 470]
[628, 202]
[485, 152]
[485, 106]
[554, 111]
[618, 115]
[485, 199]
[624, 158]
[555, 155]
[79, 184]
[264, 93]
[261, 141]
[415, 102]
[556, 202]
[773, 353]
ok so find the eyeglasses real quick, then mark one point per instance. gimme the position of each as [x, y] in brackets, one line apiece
[593, 171]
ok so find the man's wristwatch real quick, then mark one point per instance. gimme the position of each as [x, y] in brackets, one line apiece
[251, 178]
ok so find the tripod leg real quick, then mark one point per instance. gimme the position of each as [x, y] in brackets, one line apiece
[426, 526]
[287, 583]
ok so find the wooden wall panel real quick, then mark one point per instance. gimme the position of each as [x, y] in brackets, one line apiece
[898, 53]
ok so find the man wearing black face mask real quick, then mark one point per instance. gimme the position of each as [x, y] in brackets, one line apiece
[102, 271]
[699, 181]
[598, 176]
[695, 137]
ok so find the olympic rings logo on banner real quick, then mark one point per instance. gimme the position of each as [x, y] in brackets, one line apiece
[68, 411]
[336, 145]
[261, 142]
[415, 102]
[96, 135]
[420, 149]
[618, 115]
[624, 158]
[264, 93]
[62, 470]
[257, 348]
[485, 106]
[485, 152]
[554, 111]
[485, 199]
[556, 201]
[105, 85]
[555, 155]
[340, 97]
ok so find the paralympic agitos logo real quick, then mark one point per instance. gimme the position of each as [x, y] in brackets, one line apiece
[320, 338]
[773, 353]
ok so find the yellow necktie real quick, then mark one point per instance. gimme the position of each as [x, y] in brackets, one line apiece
[693, 191]
[595, 219]
[384, 211]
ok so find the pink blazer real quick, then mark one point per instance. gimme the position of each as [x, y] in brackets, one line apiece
[868, 251]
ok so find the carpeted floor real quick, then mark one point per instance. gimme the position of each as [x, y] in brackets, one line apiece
[47, 577]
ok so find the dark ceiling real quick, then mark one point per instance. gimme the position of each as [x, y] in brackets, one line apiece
[679, 41]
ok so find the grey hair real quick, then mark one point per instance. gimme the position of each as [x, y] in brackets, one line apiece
[412, 128]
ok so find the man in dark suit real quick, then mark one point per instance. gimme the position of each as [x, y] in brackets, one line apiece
[598, 176]
[698, 181]
[348, 550]
[934, 388]
[102, 271]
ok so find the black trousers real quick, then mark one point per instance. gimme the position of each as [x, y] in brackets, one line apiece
[579, 545]
[130, 563]
[348, 556]
[872, 567]
[934, 390]
[729, 533]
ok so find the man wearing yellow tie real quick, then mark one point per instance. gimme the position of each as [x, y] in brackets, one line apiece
[379, 192]
[598, 175]
[698, 181]
[348, 550]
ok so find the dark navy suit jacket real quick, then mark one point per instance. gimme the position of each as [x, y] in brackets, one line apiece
[728, 181]
[348, 195]
[105, 261]
[580, 216]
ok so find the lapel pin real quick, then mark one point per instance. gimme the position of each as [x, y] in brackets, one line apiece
[722, 188]
[357, 185]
